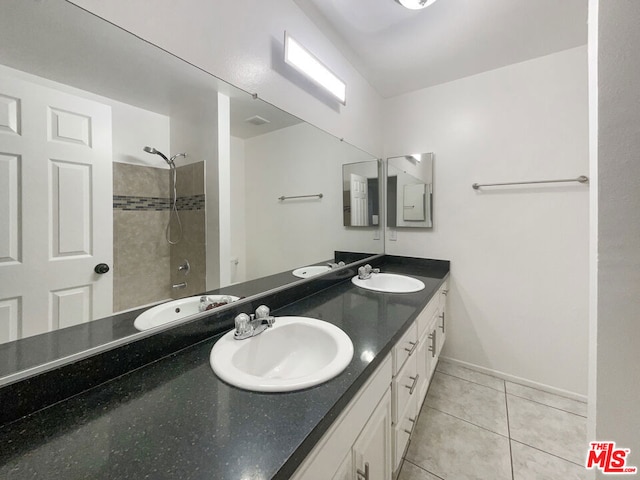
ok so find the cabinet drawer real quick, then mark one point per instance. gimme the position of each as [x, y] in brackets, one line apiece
[425, 317]
[404, 387]
[405, 347]
[443, 292]
[402, 431]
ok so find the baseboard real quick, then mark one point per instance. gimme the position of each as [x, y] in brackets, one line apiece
[518, 380]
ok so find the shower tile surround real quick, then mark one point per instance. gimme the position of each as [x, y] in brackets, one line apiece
[142, 256]
[71, 438]
[192, 247]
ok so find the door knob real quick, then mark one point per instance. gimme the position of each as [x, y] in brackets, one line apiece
[101, 268]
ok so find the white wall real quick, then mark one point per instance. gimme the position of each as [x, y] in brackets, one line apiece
[241, 42]
[133, 129]
[519, 286]
[238, 211]
[615, 354]
[298, 160]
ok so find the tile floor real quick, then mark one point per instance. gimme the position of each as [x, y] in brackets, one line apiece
[474, 426]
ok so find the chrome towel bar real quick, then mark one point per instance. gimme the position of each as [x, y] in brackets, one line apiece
[580, 179]
[319, 195]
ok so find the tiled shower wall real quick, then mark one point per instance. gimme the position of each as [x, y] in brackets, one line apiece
[140, 252]
[145, 265]
[192, 247]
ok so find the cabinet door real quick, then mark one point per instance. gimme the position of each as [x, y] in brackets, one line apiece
[345, 471]
[432, 349]
[372, 450]
[441, 329]
[442, 317]
[423, 355]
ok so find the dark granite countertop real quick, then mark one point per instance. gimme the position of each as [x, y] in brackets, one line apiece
[174, 418]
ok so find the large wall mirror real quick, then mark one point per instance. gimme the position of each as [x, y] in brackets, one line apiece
[95, 124]
[410, 191]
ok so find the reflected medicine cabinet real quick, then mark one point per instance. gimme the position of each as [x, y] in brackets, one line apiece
[410, 191]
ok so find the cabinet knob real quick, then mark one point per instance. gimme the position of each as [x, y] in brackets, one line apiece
[101, 268]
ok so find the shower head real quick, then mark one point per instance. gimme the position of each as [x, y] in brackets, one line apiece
[153, 151]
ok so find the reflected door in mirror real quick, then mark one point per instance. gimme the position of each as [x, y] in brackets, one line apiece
[361, 194]
[56, 211]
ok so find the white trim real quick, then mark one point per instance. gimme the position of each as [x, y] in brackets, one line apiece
[518, 380]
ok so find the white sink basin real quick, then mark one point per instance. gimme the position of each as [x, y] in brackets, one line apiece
[175, 310]
[295, 353]
[310, 271]
[390, 283]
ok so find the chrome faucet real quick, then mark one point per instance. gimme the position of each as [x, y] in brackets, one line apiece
[365, 272]
[250, 326]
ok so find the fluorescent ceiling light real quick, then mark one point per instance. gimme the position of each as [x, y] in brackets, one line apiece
[305, 62]
[415, 4]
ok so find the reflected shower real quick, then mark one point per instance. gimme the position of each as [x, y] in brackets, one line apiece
[174, 207]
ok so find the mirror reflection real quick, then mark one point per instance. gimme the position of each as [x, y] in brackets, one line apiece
[129, 177]
[410, 191]
[361, 194]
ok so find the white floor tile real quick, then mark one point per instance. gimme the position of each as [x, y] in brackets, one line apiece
[532, 464]
[411, 472]
[456, 450]
[556, 401]
[548, 429]
[480, 405]
[471, 375]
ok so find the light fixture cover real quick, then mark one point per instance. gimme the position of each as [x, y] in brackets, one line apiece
[306, 63]
[415, 4]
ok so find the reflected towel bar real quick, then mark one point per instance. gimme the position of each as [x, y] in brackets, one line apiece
[580, 179]
[319, 195]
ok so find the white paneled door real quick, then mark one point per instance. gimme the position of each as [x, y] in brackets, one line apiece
[56, 217]
[359, 199]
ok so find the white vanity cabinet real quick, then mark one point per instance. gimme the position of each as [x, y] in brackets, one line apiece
[360, 439]
[404, 388]
[369, 438]
[431, 329]
[372, 450]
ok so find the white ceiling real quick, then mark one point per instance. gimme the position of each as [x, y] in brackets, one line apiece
[399, 50]
[63, 43]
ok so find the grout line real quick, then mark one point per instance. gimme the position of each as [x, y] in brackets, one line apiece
[423, 469]
[466, 421]
[547, 405]
[471, 381]
[548, 453]
[506, 406]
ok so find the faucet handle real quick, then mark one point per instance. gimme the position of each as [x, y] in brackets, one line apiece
[376, 270]
[242, 324]
[263, 314]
